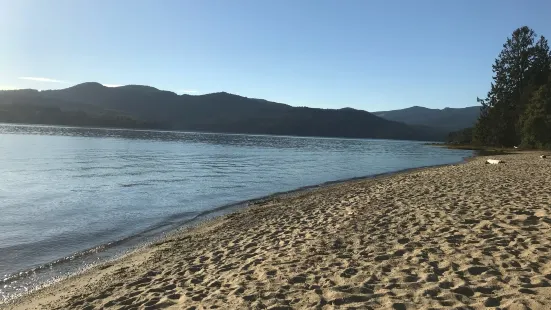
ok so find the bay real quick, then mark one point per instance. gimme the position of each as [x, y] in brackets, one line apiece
[71, 196]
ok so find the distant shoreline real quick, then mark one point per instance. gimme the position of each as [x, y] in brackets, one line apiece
[479, 150]
[207, 132]
[143, 106]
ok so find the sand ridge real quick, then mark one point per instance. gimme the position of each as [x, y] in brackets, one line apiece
[468, 236]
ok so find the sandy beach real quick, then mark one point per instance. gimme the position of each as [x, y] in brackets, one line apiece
[466, 236]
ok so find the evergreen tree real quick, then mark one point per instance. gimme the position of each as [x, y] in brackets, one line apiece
[521, 68]
[536, 120]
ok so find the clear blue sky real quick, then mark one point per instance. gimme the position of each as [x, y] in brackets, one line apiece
[371, 55]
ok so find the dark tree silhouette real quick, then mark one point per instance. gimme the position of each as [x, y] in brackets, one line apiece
[520, 71]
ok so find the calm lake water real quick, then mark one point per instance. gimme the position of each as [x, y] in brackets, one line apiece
[71, 196]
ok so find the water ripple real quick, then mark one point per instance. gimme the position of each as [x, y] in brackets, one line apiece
[70, 192]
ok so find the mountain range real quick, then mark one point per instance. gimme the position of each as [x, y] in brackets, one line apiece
[92, 104]
[448, 119]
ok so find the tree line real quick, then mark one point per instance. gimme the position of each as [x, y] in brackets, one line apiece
[517, 109]
[34, 114]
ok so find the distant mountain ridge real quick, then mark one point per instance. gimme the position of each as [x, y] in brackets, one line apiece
[450, 119]
[216, 112]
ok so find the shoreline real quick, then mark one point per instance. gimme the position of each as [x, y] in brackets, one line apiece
[166, 230]
[254, 243]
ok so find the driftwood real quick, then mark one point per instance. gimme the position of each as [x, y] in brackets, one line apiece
[494, 161]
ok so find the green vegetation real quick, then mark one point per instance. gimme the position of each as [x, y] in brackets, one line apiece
[517, 110]
[447, 119]
[461, 137]
[33, 114]
[479, 150]
[217, 112]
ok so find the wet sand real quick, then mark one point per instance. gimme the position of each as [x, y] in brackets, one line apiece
[467, 236]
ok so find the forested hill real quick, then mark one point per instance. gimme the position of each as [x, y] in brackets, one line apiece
[450, 119]
[217, 112]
